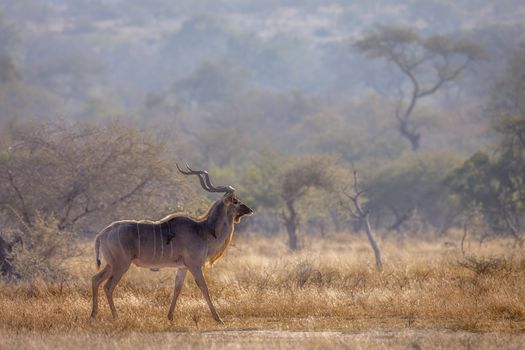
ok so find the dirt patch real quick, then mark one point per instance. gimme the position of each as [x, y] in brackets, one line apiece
[262, 339]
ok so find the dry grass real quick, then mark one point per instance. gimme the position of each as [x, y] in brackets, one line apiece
[329, 286]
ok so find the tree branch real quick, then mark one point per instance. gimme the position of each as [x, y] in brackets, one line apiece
[88, 211]
[25, 211]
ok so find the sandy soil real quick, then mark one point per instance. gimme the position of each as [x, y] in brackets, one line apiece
[260, 339]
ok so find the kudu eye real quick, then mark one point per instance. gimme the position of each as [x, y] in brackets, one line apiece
[235, 201]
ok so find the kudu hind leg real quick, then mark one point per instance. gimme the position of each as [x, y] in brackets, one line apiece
[95, 283]
[109, 286]
[201, 283]
[179, 282]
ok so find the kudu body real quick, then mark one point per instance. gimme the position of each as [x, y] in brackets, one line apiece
[178, 240]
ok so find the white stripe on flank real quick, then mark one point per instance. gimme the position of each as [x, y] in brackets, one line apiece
[154, 243]
[171, 241]
[110, 235]
[161, 244]
[138, 233]
[120, 240]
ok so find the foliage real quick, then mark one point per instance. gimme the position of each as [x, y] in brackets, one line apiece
[82, 175]
[493, 185]
[497, 183]
[44, 250]
[303, 174]
[261, 179]
[414, 183]
[353, 138]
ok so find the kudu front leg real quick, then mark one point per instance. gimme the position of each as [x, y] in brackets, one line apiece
[179, 282]
[201, 283]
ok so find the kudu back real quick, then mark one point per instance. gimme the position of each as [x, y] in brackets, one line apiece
[177, 240]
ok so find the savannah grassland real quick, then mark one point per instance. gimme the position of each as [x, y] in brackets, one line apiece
[328, 294]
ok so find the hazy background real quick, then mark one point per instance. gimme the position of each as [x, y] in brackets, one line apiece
[262, 67]
[98, 99]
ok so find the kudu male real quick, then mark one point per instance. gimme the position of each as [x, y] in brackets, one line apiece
[178, 240]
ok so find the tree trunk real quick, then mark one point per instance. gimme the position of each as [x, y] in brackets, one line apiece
[6, 269]
[400, 219]
[363, 216]
[323, 231]
[411, 135]
[291, 223]
[373, 243]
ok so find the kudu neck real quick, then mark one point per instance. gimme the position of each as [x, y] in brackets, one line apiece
[219, 219]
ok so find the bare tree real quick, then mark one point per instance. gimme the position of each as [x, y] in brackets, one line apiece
[81, 172]
[428, 65]
[356, 210]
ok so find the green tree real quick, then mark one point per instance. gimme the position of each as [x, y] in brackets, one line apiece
[260, 188]
[409, 184]
[303, 175]
[496, 183]
[491, 185]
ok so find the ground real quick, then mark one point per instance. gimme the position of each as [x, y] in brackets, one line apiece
[258, 339]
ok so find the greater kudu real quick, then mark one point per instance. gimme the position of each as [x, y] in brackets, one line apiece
[178, 240]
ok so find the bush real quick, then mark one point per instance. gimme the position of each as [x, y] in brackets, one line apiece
[44, 250]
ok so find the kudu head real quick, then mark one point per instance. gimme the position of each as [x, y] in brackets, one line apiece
[229, 199]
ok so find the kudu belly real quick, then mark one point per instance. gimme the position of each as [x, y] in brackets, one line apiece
[152, 248]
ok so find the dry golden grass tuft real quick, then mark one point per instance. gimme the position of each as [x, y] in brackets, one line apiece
[331, 285]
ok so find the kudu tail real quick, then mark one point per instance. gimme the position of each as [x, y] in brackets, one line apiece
[97, 251]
